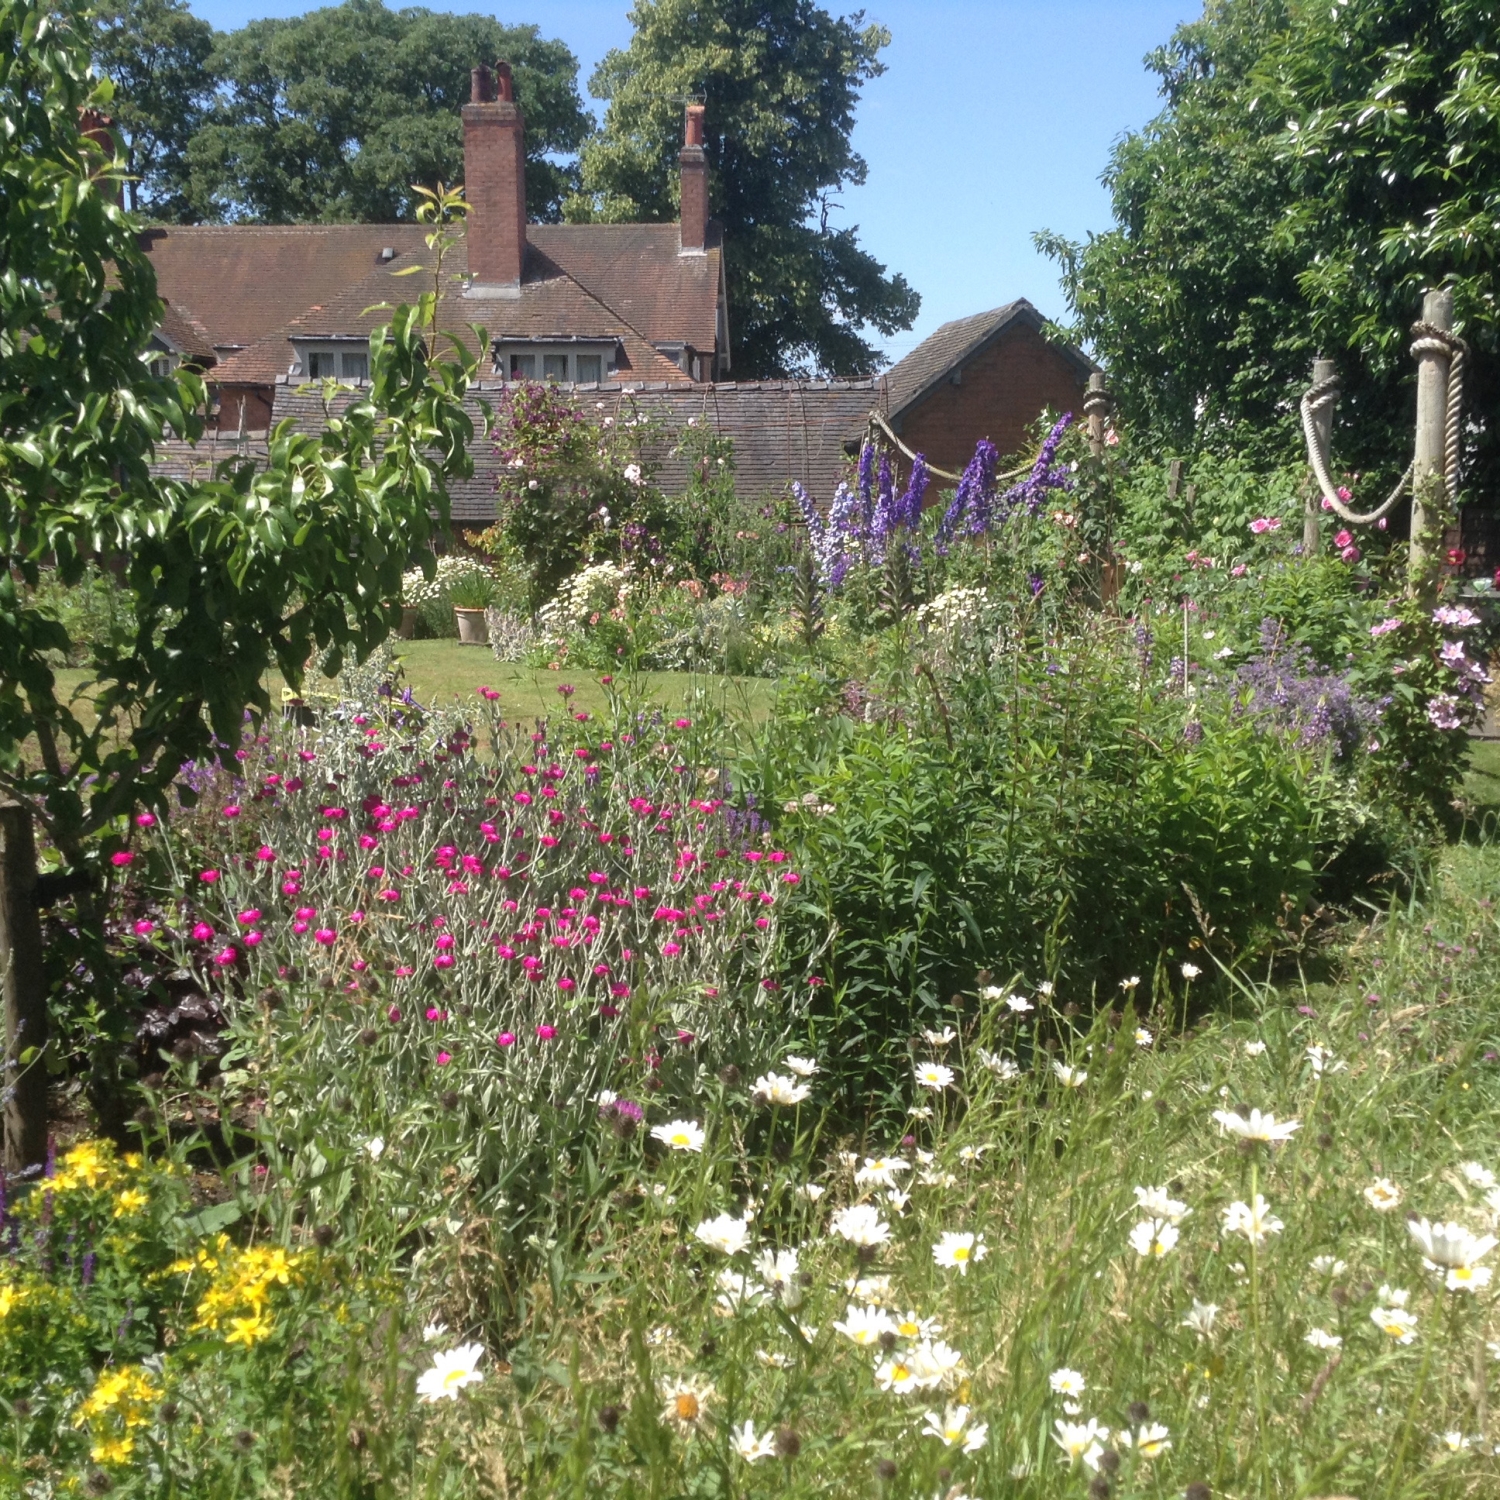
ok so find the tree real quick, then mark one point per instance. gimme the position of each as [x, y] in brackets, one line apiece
[156, 53]
[781, 79]
[222, 579]
[334, 114]
[1315, 169]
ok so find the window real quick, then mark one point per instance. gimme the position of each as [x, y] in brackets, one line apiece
[559, 359]
[588, 367]
[523, 367]
[554, 367]
[354, 366]
[345, 362]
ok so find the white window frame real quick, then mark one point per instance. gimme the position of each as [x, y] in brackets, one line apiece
[606, 351]
[342, 351]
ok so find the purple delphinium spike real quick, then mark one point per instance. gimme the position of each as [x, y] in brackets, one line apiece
[90, 1260]
[973, 501]
[1046, 475]
[866, 491]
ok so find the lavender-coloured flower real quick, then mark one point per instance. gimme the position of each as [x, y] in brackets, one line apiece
[1283, 687]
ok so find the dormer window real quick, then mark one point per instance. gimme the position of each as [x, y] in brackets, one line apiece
[344, 360]
[566, 361]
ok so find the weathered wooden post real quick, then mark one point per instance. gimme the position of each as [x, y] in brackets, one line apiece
[1312, 515]
[25, 994]
[1429, 496]
[1097, 405]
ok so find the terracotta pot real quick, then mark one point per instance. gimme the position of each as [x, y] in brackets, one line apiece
[472, 630]
[408, 627]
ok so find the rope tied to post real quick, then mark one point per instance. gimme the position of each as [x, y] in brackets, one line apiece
[1427, 339]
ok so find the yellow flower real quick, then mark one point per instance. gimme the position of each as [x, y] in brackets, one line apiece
[116, 1450]
[10, 1297]
[248, 1331]
[88, 1164]
[132, 1200]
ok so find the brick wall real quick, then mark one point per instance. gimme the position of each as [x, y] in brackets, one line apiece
[495, 185]
[1002, 391]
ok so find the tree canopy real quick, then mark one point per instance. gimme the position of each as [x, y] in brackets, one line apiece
[326, 116]
[781, 79]
[1317, 167]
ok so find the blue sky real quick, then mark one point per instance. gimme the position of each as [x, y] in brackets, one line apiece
[994, 118]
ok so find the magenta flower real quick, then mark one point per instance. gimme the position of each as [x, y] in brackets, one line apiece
[248, 918]
[265, 854]
[546, 1032]
[671, 949]
[232, 811]
[121, 858]
[443, 961]
[253, 939]
[506, 1039]
[144, 928]
[682, 723]
[208, 877]
[145, 820]
[226, 957]
[325, 935]
[1343, 538]
[393, 1014]
[202, 932]
[444, 1058]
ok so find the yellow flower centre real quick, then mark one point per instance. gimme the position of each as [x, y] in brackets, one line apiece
[453, 1379]
[960, 1252]
[687, 1407]
[900, 1374]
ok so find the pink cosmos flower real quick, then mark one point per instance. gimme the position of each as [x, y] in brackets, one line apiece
[121, 858]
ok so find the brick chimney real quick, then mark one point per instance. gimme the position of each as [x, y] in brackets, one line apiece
[495, 183]
[694, 164]
[99, 130]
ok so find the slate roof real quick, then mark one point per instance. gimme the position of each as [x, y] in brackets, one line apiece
[934, 359]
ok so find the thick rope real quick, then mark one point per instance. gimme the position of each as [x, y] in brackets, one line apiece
[878, 421]
[1427, 339]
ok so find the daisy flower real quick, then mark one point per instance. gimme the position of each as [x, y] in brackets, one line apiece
[777, 1270]
[1070, 1078]
[1066, 1382]
[803, 1067]
[686, 1402]
[881, 1171]
[775, 1088]
[726, 1233]
[912, 1325]
[898, 1375]
[955, 1430]
[1160, 1204]
[1253, 1220]
[936, 1363]
[1320, 1338]
[1150, 1441]
[956, 1250]
[1201, 1318]
[1019, 1003]
[865, 1325]
[1080, 1440]
[1453, 1249]
[1255, 1049]
[933, 1075]
[812, 1191]
[450, 1373]
[1256, 1126]
[939, 1038]
[1153, 1237]
[680, 1135]
[1395, 1322]
[1383, 1195]
[1002, 1067]
[1479, 1175]
[860, 1224]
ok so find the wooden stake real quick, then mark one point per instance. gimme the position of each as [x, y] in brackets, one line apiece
[1427, 484]
[1312, 513]
[1096, 407]
[25, 994]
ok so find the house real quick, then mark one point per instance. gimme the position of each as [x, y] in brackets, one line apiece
[986, 376]
[587, 304]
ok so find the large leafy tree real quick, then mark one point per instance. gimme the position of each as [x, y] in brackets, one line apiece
[334, 114]
[220, 579]
[781, 79]
[1317, 166]
[156, 53]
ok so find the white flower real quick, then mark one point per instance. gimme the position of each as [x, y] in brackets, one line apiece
[812, 1191]
[1160, 1204]
[803, 1067]
[1153, 1237]
[1019, 1003]
[936, 1363]
[1320, 1338]
[912, 1325]
[1254, 1049]
[375, 1147]
[1066, 1382]
[897, 1199]
[1328, 1265]
[680, 1135]
[1480, 1176]
[1191, 971]
[864, 1325]
[1143, 1038]
[1393, 1296]
[1150, 1441]
[968, 1154]
[954, 1429]
[933, 1075]
[1383, 1195]
[1045, 989]
[1454, 1441]
[1080, 1440]
[1256, 1126]
[1003, 1068]
[1253, 1220]
[778, 1270]
[873, 1291]
[1323, 1060]
[1201, 1318]
[991, 992]
[1454, 1249]
[860, 1224]
[955, 1249]
[1129, 984]
[939, 1038]
[736, 1290]
[726, 1233]
[750, 1447]
[1396, 1322]
[773, 1359]
[1070, 1078]
[450, 1373]
[633, 474]
[775, 1088]
[433, 1332]
[686, 1401]
[899, 1375]
[881, 1171]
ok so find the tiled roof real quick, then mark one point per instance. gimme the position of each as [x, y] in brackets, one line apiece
[931, 362]
[782, 430]
[241, 281]
[248, 287]
[551, 303]
[185, 335]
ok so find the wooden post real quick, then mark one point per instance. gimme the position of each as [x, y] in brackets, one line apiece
[1312, 513]
[1428, 488]
[25, 994]
[1096, 407]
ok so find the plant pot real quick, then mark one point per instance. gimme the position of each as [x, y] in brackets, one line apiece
[472, 630]
[408, 627]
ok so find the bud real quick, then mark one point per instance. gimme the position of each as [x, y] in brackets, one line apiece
[609, 1417]
[729, 1076]
[323, 1236]
[1139, 1412]
[788, 1442]
[1198, 1490]
[450, 1099]
[244, 1440]
[1099, 1488]
[885, 1470]
[369, 1036]
[1109, 1461]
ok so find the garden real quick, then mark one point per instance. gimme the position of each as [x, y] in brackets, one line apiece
[976, 990]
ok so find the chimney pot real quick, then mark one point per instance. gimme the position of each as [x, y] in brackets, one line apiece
[695, 113]
[693, 162]
[506, 83]
[481, 85]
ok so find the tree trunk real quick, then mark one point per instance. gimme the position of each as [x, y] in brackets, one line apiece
[25, 995]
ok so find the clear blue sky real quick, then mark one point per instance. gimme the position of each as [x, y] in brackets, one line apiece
[994, 119]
